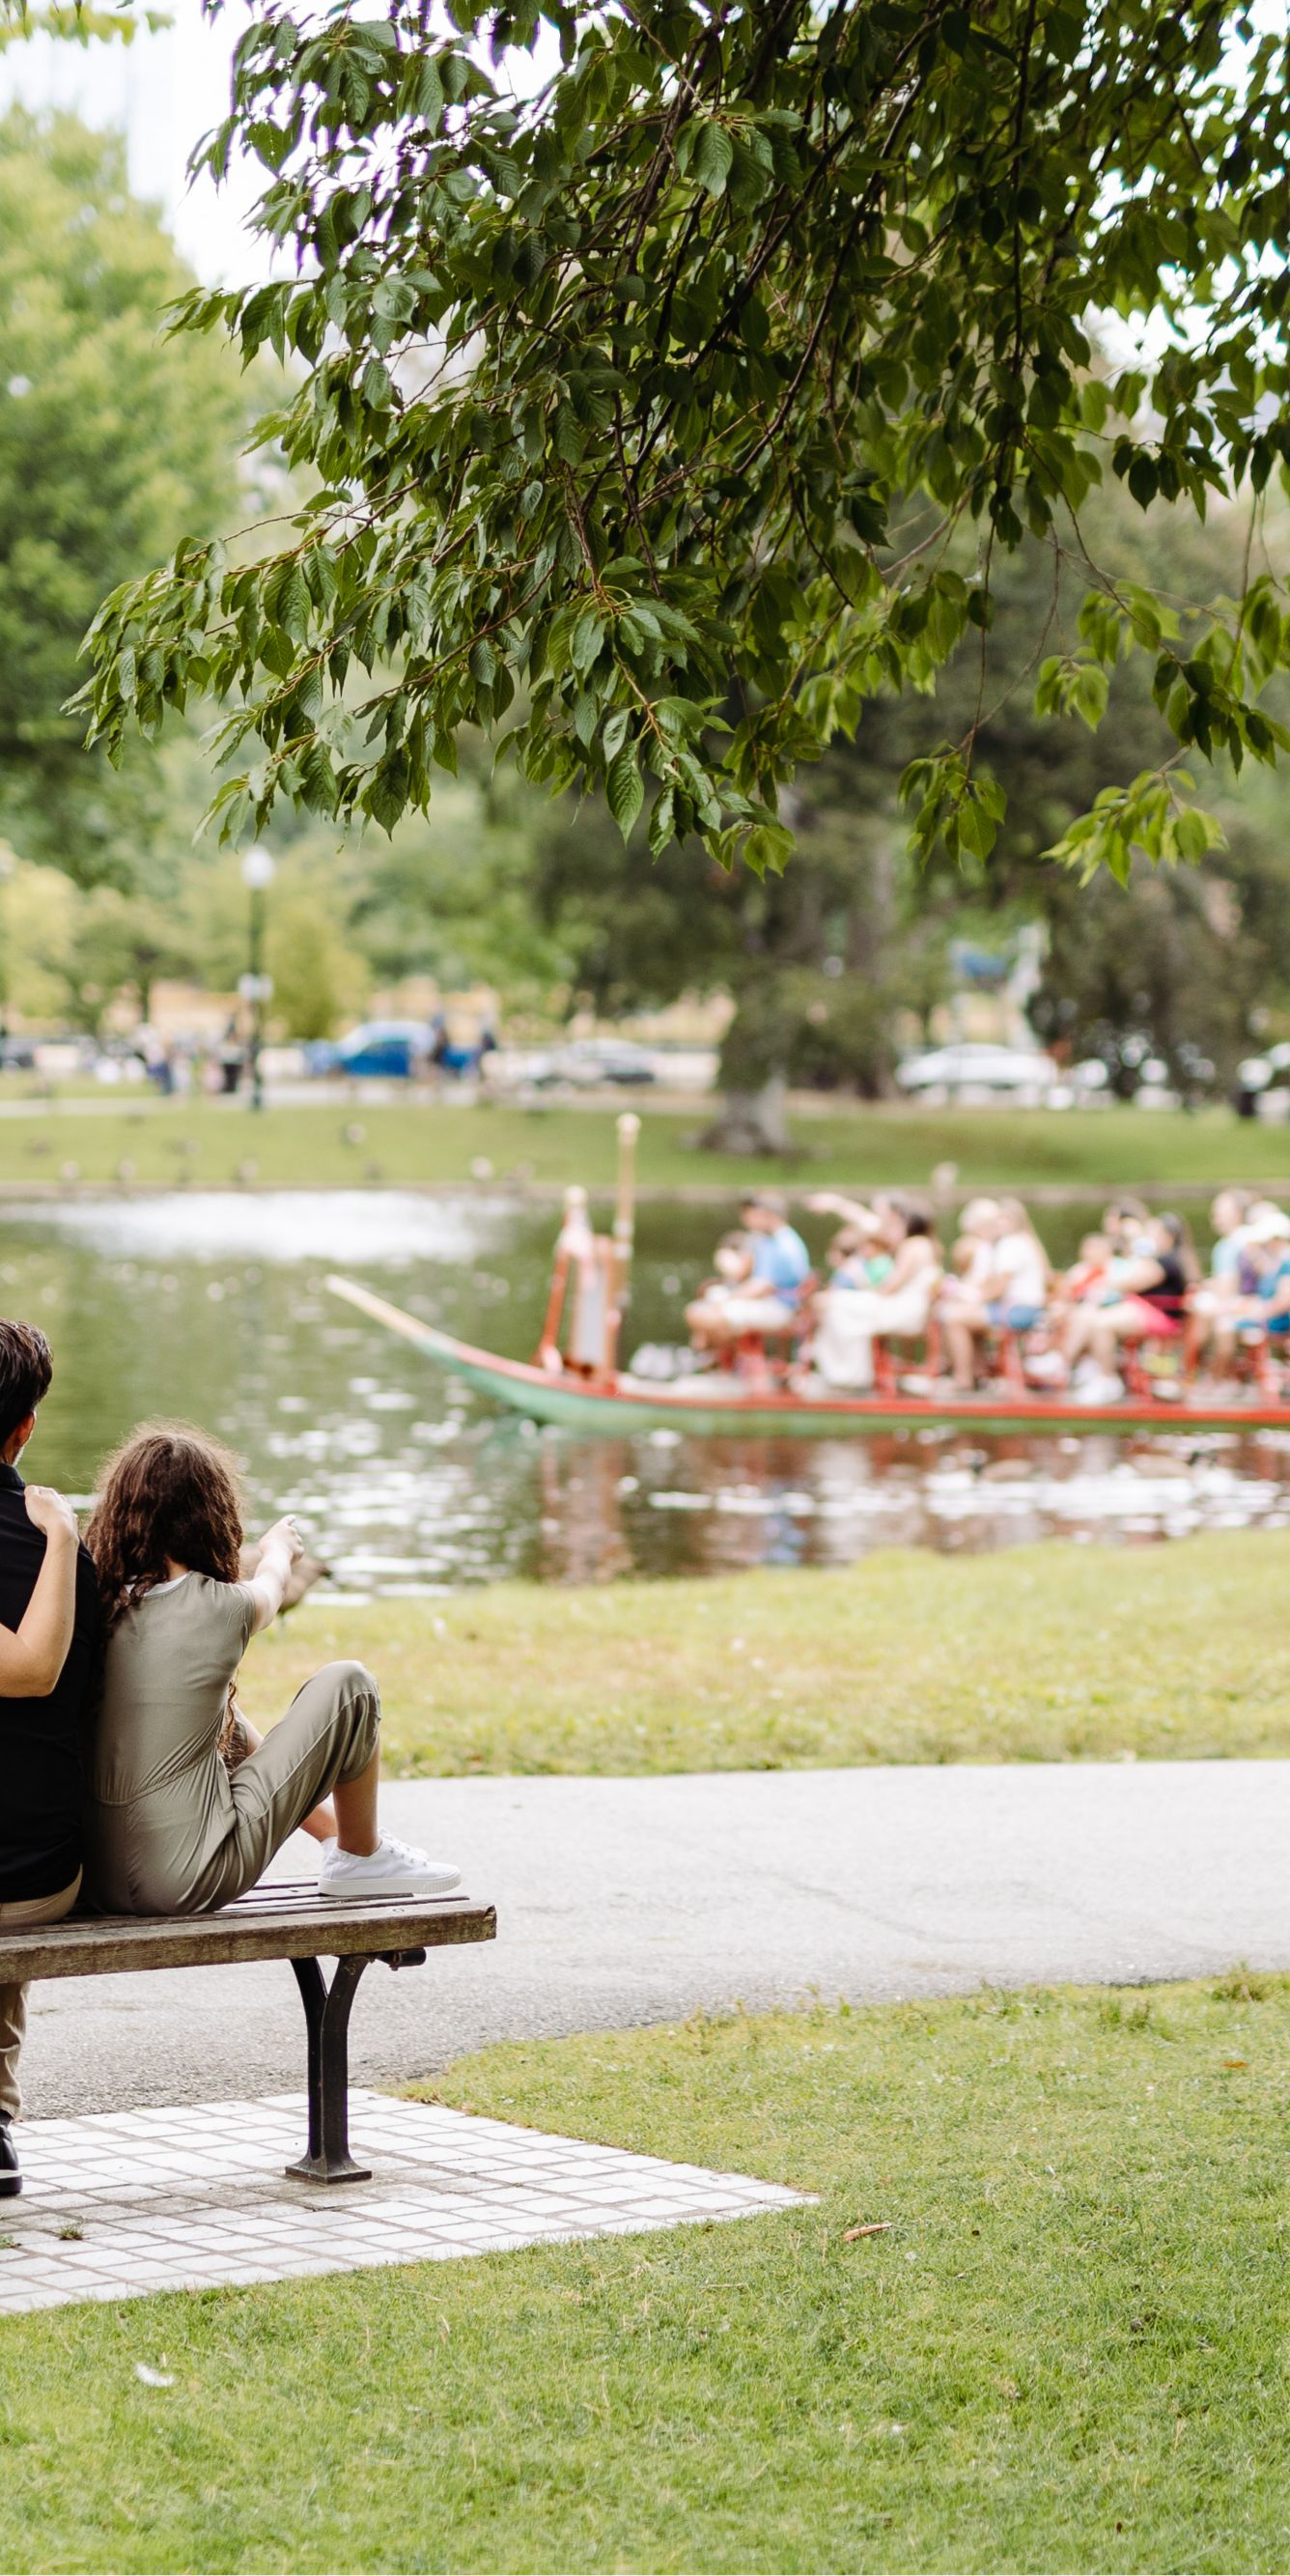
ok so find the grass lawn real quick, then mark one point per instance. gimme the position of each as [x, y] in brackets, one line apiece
[1044, 1653]
[1068, 2352]
[209, 1144]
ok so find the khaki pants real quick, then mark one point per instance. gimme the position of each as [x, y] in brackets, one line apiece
[203, 1839]
[21, 1916]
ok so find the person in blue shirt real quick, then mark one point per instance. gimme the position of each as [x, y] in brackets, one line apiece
[1265, 1244]
[768, 1301]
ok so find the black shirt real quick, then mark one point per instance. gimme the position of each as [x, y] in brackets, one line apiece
[41, 1739]
[1170, 1291]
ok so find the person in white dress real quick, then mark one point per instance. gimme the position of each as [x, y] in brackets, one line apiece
[850, 1319]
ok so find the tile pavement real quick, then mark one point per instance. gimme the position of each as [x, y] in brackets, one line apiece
[195, 2197]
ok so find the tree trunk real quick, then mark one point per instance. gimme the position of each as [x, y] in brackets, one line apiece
[751, 1122]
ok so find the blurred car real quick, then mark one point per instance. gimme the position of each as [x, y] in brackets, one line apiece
[975, 1070]
[394, 1049]
[587, 1062]
[17, 1055]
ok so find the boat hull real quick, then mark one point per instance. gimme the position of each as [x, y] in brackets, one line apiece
[624, 1406]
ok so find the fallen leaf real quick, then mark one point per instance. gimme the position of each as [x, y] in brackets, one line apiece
[876, 2227]
[1234, 2062]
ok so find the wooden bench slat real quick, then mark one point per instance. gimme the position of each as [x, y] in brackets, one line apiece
[262, 1928]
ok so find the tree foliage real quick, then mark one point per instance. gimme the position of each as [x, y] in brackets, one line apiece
[830, 965]
[675, 374]
[112, 441]
[84, 26]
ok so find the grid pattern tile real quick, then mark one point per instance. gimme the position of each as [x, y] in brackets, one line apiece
[131, 2202]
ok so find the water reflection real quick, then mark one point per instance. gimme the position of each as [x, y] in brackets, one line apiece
[213, 1307]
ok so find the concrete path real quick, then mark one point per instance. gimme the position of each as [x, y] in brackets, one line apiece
[643, 1900]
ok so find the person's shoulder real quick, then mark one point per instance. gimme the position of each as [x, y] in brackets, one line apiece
[223, 1610]
[212, 1591]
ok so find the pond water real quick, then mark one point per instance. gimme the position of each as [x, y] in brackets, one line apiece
[213, 1307]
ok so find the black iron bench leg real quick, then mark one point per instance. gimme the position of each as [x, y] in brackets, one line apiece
[327, 2010]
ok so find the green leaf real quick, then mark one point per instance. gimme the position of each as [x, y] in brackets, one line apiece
[624, 790]
[713, 154]
[1195, 833]
[587, 637]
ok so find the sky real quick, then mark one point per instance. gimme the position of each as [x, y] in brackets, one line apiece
[165, 91]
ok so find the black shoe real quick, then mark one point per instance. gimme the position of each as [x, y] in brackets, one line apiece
[10, 2173]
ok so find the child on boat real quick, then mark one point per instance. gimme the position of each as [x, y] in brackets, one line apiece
[857, 1257]
[732, 1270]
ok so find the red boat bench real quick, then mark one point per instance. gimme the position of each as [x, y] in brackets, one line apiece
[765, 1354]
[287, 1921]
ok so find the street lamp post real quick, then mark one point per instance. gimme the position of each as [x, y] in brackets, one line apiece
[258, 871]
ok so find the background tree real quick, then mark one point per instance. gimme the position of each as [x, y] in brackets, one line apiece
[691, 366]
[828, 963]
[112, 441]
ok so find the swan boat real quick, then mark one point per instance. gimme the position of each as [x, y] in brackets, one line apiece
[575, 1381]
[725, 1407]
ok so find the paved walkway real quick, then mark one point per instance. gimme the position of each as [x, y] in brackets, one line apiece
[626, 1901]
[119, 2206]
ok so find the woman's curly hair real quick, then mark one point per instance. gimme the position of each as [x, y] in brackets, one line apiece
[168, 1491]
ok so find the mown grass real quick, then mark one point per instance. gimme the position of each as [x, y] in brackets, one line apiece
[331, 1143]
[1043, 1653]
[1068, 2352]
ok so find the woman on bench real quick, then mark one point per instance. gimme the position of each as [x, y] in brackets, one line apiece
[172, 1828]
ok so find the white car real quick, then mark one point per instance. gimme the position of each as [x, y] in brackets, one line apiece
[587, 1062]
[974, 1071]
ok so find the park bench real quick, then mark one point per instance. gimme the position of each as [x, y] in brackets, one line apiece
[284, 1921]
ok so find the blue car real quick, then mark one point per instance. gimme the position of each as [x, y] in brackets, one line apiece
[394, 1049]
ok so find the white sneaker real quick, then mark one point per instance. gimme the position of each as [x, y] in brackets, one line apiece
[1046, 1368]
[393, 1869]
[1098, 1390]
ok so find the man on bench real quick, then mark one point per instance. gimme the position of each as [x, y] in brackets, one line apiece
[49, 1626]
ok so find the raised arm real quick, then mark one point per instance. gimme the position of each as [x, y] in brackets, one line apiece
[280, 1549]
[33, 1655]
[835, 1203]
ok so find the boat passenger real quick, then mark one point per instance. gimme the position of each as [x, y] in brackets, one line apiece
[858, 1257]
[1265, 1253]
[769, 1300]
[851, 1319]
[1010, 1293]
[1233, 1276]
[1085, 1282]
[1230, 1216]
[1127, 1223]
[732, 1268]
[972, 1251]
[1149, 1305]
[732, 1264]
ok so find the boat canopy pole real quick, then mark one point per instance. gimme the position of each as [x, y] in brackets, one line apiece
[629, 1128]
